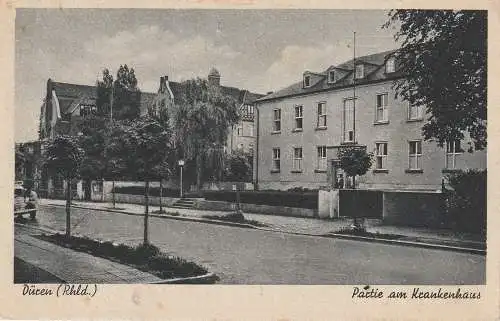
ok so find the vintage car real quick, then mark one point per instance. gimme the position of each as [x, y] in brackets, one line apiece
[21, 205]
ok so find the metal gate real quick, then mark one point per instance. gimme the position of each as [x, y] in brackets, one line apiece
[360, 203]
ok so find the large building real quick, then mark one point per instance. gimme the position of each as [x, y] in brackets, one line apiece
[302, 127]
[241, 136]
[64, 106]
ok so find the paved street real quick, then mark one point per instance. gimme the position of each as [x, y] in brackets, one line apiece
[245, 256]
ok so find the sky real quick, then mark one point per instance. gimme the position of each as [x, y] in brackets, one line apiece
[258, 50]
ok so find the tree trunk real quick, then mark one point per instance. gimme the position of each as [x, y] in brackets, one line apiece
[113, 193]
[199, 170]
[68, 206]
[238, 200]
[146, 212]
[161, 196]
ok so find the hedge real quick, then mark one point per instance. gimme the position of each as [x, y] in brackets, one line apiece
[153, 191]
[467, 199]
[274, 198]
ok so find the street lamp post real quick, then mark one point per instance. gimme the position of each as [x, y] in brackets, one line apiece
[181, 164]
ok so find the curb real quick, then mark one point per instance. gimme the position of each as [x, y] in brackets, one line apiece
[329, 235]
[208, 278]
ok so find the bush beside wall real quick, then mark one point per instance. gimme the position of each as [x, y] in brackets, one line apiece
[274, 198]
[153, 191]
[466, 200]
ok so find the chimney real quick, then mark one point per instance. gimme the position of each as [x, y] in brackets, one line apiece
[163, 83]
[214, 77]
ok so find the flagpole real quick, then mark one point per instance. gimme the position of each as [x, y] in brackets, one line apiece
[354, 89]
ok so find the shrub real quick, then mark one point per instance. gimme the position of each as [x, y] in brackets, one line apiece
[466, 201]
[153, 191]
[273, 198]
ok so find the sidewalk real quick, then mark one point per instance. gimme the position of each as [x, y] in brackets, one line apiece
[72, 266]
[309, 226]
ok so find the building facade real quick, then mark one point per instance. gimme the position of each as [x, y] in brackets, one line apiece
[241, 137]
[301, 129]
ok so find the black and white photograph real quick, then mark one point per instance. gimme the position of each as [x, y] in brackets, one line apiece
[251, 147]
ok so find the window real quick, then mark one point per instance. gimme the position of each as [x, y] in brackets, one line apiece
[331, 76]
[415, 155]
[360, 70]
[381, 111]
[297, 159]
[298, 117]
[321, 114]
[240, 146]
[348, 135]
[307, 81]
[390, 65]
[239, 131]
[251, 130]
[321, 158]
[277, 120]
[276, 160]
[87, 110]
[453, 150]
[381, 155]
[415, 112]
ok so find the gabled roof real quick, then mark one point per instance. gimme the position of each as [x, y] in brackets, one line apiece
[71, 95]
[375, 60]
[241, 96]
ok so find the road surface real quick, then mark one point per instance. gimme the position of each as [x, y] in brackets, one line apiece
[247, 256]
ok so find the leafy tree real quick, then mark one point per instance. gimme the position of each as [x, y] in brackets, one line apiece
[141, 147]
[64, 156]
[443, 57]
[93, 133]
[20, 160]
[355, 161]
[238, 170]
[202, 117]
[119, 98]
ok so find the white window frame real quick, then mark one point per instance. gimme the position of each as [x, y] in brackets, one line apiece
[251, 129]
[297, 159]
[307, 81]
[299, 116]
[452, 153]
[359, 71]
[420, 112]
[383, 108]
[321, 115]
[321, 163]
[345, 129]
[277, 120]
[417, 156]
[276, 160]
[390, 65]
[381, 156]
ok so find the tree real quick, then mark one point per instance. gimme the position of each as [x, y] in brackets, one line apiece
[355, 161]
[202, 117]
[238, 170]
[121, 98]
[443, 58]
[141, 147]
[20, 160]
[93, 133]
[63, 156]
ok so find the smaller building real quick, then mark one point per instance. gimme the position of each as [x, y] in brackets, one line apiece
[241, 136]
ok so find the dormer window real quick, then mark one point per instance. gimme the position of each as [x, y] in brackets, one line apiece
[390, 65]
[360, 71]
[307, 81]
[331, 76]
